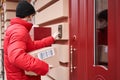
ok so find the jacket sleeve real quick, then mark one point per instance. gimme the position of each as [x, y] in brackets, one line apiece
[44, 42]
[17, 55]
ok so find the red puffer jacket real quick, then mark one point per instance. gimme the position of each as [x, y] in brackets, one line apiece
[17, 44]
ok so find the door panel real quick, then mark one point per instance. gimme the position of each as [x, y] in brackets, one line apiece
[78, 39]
[95, 72]
[99, 72]
[73, 39]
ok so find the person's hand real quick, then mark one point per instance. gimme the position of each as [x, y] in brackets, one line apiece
[50, 66]
[55, 35]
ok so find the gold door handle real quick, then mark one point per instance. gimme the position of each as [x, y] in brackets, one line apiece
[71, 58]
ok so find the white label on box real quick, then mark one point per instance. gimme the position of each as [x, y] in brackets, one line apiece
[46, 53]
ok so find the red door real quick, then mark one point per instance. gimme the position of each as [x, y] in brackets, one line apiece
[83, 42]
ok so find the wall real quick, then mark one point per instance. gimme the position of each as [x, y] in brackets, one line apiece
[52, 14]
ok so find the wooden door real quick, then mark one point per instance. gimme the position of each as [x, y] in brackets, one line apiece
[83, 42]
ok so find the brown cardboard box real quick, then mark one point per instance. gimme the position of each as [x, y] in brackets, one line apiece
[44, 54]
